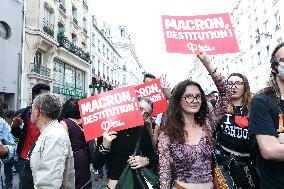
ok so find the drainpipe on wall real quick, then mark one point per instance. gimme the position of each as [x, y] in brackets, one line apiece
[22, 66]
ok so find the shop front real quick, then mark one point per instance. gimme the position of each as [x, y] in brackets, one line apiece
[68, 81]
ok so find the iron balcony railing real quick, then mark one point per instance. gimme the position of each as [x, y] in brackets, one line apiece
[75, 21]
[68, 45]
[41, 70]
[62, 8]
[48, 28]
[85, 4]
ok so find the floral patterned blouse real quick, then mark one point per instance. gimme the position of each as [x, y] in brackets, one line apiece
[192, 162]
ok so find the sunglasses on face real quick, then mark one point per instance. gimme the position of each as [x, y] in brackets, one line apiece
[145, 113]
[189, 98]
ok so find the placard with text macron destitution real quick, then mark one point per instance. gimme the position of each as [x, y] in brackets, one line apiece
[118, 109]
[153, 91]
[211, 33]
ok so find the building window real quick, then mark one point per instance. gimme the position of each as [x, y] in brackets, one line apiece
[94, 20]
[68, 77]
[93, 39]
[74, 14]
[255, 13]
[93, 58]
[274, 2]
[249, 18]
[268, 51]
[104, 75]
[112, 76]
[74, 39]
[38, 59]
[122, 32]
[85, 4]
[103, 49]
[251, 41]
[62, 5]
[99, 45]
[58, 74]
[85, 25]
[265, 26]
[62, 2]
[84, 46]
[107, 73]
[124, 79]
[111, 57]
[80, 79]
[259, 58]
[48, 18]
[258, 36]
[99, 68]
[5, 30]
[93, 65]
[61, 28]
[37, 65]
[277, 21]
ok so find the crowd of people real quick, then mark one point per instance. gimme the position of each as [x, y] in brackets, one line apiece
[243, 134]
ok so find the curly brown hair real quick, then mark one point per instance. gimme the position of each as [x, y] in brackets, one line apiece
[174, 126]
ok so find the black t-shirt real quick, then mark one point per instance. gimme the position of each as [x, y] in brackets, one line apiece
[121, 148]
[232, 130]
[264, 116]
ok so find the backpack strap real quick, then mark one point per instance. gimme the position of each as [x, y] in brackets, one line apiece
[137, 147]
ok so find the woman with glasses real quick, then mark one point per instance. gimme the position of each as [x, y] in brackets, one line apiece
[233, 146]
[184, 140]
[116, 148]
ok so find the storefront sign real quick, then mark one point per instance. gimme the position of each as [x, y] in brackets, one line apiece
[69, 92]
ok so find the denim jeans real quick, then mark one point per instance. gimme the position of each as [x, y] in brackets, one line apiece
[21, 165]
[1, 178]
[8, 172]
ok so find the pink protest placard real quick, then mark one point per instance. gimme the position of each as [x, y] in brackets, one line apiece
[118, 109]
[153, 91]
[212, 33]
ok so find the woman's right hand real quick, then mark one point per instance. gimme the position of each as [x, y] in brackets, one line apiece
[208, 65]
[108, 137]
[203, 58]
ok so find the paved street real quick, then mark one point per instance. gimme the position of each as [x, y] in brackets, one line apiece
[96, 184]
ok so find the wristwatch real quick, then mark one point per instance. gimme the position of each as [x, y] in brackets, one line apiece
[103, 149]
